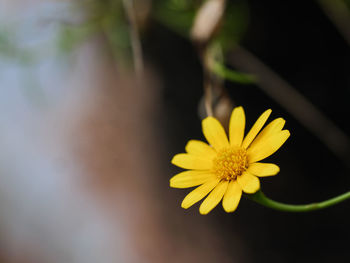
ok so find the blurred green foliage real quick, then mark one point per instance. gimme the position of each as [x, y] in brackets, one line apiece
[106, 19]
[235, 24]
[10, 49]
[179, 15]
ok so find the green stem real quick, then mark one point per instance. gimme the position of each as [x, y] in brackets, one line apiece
[260, 198]
[232, 75]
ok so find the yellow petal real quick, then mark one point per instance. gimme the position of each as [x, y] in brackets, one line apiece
[272, 128]
[199, 193]
[201, 149]
[190, 178]
[214, 133]
[232, 197]
[189, 161]
[237, 125]
[249, 183]
[263, 169]
[256, 128]
[267, 147]
[213, 198]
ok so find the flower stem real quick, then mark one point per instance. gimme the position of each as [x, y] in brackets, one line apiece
[232, 75]
[260, 198]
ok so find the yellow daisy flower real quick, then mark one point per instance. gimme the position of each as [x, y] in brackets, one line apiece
[225, 168]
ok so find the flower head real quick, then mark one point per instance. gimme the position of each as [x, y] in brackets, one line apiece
[225, 168]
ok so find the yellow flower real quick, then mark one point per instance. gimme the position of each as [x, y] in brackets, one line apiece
[225, 168]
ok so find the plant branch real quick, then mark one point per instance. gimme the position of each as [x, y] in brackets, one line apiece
[260, 198]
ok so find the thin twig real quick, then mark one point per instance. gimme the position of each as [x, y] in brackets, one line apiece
[207, 20]
[135, 39]
[339, 14]
[208, 98]
[294, 102]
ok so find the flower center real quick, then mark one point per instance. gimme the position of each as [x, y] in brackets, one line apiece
[230, 163]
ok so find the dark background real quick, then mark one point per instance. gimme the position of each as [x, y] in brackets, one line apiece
[299, 42]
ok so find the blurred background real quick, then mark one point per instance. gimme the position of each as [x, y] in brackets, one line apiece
[97, 96]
